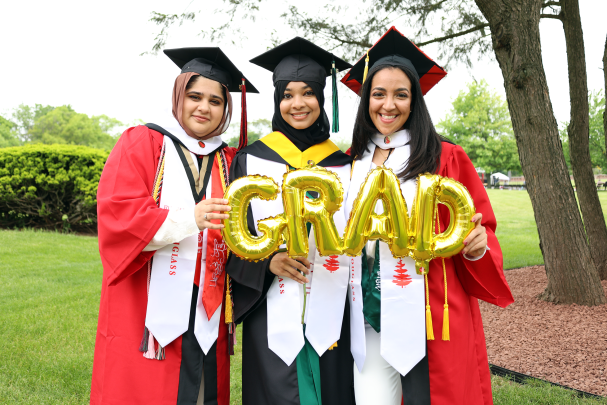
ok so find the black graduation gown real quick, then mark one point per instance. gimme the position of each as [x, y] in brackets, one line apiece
[266, 379]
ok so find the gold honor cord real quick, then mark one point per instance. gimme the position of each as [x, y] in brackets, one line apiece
[229, 303]
[446, 335]
[366, 68]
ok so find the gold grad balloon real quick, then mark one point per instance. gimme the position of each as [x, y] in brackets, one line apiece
[412, 236]
[236, 231]
[318, 211]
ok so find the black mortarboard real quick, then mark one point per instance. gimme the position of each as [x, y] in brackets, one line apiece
[211, 63]
[299, 60]
[395, 49]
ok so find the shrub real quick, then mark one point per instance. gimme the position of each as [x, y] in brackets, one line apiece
[50, 187]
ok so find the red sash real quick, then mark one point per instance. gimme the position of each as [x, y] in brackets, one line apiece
[214, 277]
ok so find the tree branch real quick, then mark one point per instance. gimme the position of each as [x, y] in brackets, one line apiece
[458, 34]
[553, 16]
[551, 3]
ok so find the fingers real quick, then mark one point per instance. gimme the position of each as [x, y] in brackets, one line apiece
[477, 249]
[478, 217]
[298, 264]
[476, 241]
[215, 207]
[297, 276]
[212, 215]
[283, 266]
[221, 201]
[472, 235]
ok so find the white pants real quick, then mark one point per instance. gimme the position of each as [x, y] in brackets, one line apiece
[378, 383]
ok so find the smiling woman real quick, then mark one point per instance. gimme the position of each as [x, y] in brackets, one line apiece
[286, 356]
[393, 129]
[299, 106]
[160, 202]
[203, 106]
[390, 102]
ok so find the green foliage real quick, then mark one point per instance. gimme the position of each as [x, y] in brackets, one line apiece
[342, 144]
[349, 28]
[25, 118]
[50, 186]
[8, 133]
[480, 123]
[596, 102]
[255, 130]
[63, 125]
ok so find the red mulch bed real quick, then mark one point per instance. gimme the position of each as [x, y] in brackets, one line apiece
[565, 344]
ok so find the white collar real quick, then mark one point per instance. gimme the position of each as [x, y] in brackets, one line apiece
[195, 146]
[395, 140]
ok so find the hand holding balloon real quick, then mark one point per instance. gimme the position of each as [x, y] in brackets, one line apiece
[476, 242]
[205, 211]
[283, 266]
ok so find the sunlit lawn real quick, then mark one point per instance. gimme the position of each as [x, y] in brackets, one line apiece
[49, 299]
[516, 228]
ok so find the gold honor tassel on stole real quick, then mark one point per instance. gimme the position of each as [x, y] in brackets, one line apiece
[446, 311]
[366, 68]
[228, 313]
[229, 309]
[429, 328]
[446, 334]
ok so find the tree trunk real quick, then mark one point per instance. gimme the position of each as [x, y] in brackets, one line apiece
[605, 112]
[578, 130]
[572, 275]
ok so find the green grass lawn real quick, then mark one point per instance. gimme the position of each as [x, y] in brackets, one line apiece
[516, 229]
[49, 302]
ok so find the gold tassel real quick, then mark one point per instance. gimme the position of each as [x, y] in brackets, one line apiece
[333, 346]
[446, 335]
[429, 328]
[366, 68]
[446, 323]
[228, 317]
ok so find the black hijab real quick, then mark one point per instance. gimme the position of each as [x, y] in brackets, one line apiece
[302, 138]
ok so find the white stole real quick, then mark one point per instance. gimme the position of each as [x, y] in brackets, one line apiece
[403, 327]
[174, 265]
[325, 302]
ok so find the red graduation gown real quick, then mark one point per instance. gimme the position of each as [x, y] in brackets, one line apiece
[459, 370]
[128, 219]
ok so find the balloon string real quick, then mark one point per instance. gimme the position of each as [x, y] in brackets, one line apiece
[446, 334]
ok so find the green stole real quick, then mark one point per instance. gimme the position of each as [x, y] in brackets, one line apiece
[371, 286]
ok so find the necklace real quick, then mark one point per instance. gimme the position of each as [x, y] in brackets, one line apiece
[381, 151]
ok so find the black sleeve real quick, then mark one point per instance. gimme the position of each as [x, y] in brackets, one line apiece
[250, 281]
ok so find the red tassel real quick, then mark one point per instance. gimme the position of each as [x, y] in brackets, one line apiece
[243, 116]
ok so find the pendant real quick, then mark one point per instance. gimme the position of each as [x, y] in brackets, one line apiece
[387, 140]
[201, 144]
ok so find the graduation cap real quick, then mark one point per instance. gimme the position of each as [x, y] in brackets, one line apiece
[299, 60]
[393, 48]
[212, 63]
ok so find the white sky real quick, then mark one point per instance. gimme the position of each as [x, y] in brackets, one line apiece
[86, 53]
